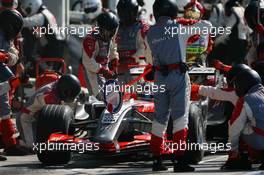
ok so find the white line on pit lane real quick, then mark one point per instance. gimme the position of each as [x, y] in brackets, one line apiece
[214, 159]
[256, 173]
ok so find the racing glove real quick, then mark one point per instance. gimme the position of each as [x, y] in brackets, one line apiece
[221, 67]
[14, 84]
[260, 29]
[149, 77]
[195, 92]
[113, 65]
[4, 58]
[107, 73]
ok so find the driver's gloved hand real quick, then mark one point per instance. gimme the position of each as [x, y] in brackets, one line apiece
[183, 67]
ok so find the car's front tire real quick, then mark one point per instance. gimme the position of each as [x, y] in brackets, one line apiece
[53, 119]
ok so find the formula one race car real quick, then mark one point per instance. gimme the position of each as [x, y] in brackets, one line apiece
[119, 125]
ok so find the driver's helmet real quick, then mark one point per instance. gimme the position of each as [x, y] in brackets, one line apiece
[68, 88]
[194, 10]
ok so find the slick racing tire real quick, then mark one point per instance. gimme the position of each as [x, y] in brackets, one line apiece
[53, 119]
[196, 134]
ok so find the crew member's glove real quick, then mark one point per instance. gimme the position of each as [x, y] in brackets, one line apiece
[107, 73]
[14, 84]
[149, 77]
[4, 57]
[113, 65]
[195, 92]
[221, 66]
[260, 29]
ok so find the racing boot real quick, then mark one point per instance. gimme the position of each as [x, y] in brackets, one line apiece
[2, 158]
[261, 166]
[262, 161]
[158, 165]
[11, 147]
[181, 165]
[242, 163]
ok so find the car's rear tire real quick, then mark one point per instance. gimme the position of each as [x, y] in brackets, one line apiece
[53, 119]
[196, 134]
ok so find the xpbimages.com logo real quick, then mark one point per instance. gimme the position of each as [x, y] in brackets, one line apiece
[73, 147]
[147, 89]
[62, 31]
[182, 146]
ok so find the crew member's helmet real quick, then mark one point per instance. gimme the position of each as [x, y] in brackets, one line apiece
[127, 11]
[234, 71]
[92, 9]
[11, 23]
[167, 8]
[245, 81]
[108, 24]
[30, 7]
[68, 88]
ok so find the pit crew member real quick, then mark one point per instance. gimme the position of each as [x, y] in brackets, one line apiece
[99, 50]
[63, 91]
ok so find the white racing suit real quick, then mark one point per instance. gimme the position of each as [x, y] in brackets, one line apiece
[221, 94]
[97, 54]
[247, 121]
[175, 100]
[130, 46]
[42, 97]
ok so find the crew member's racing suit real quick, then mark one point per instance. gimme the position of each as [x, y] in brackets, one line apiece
[247, 120]
[231, 42]
[130, 46]
[42, 38]
[97, 55]
[169, 61]
[45, 95]
[6, 76]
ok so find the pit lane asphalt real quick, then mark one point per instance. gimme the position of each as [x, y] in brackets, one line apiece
[86, 164]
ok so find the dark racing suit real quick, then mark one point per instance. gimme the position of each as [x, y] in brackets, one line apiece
[97, 55]
[169, 50]
[130, 46]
